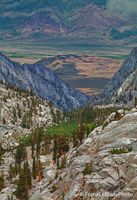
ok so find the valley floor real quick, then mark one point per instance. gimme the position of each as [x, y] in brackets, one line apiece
[88, 70]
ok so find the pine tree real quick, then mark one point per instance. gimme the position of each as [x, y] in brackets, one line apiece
[17, 169]
[81, 133]
[55, 148]
[24, 121]
[1, 153]
[34, 171]
[39, 132]
[21, 154]
[74, 139]
[88, 131]
[63, 144]
[4, 120]
[14, 113]
[32, 148]
[58, 161]
[63, 161]
[1, 181]
[27, 173]
[12, 172]
[31, 92]
[33, 142]
[22, 190]
[47, 142]
[88, 169]
[4, 98]
[19, 111]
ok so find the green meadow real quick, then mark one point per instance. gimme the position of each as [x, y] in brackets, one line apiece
[65, 128]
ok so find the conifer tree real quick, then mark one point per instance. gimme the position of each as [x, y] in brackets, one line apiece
[34, 171]
[81, 133]
[39, 132]
[12, 172]
[33, 142]
[16, 168]
[32, 147]
[24, 121]
[88, 131]
[31, 93]
[55, 148]
[27, 173]
[74, 139]
[1, 153]
[63, 161]
[1, 181]
[63, 144]
[58, 161]
[4, 120]
[21, 154]
[19, 111]
[47, 142]
[14, 115]
[22, 190]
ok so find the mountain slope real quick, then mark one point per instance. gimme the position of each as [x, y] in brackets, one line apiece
[91, 21]
[83, 72]
[103, 165]
[96, 169]
[81, 21]
[61, 5]
[94, 17]
[127, 93]
[119, 79]
[126, 69]
[43, 82]
[60, 19]
[21, 112]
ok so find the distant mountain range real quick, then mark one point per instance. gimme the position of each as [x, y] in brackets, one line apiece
[43, 82]
[90, 19]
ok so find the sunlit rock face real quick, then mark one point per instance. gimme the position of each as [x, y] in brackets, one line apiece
[111, 152]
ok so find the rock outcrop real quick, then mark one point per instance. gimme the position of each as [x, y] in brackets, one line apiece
[128, 67]
[20, 113]
[127, 93]
[110, 152]
[103, 167]
[122, 87]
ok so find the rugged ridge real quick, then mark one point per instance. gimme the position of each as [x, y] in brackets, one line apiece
[127, 70]
[93, 22]
[43, 82]
[127, 93]
[63, 19]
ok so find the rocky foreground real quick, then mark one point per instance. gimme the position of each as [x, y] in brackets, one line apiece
[21, 113]
[103, 167]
